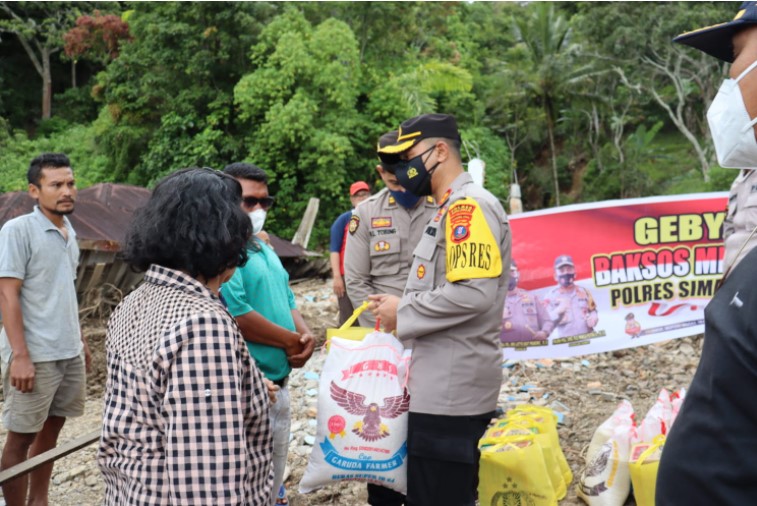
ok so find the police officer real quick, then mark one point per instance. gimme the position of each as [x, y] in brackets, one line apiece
[569, 306]
[383, 232]
[452, 308]
[710, 452]
[524, 318]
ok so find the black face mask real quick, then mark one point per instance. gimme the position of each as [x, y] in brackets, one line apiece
[566, 280]
[413, 175]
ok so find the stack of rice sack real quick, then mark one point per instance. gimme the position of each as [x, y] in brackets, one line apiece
[521, 460]
[621, 453]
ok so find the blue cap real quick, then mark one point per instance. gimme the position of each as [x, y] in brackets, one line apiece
[716, 40]
[564, 260]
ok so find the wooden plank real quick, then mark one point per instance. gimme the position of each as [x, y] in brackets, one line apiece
[96, 275]
[302, 236]
[49, 456]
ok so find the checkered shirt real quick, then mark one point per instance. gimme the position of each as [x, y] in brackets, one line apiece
[185, 420]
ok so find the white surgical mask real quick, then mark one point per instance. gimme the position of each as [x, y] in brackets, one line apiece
[731, 127]
[257, 217]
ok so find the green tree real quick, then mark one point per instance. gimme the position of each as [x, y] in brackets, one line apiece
[555, 70]
[39, 27]
[169, 95]
[300, 105]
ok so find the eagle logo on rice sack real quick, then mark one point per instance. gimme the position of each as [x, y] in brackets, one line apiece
[472, 252]
[370, 428]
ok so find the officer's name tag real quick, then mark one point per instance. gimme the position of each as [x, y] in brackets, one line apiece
[472, 251]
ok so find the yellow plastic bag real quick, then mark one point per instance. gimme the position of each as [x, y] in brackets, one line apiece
[545, 421]
[643, 465]
[347, 331]
[513, 472]
[551, 454]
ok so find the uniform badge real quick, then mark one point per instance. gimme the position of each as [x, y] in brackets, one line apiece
[392, 200]
[381, 246]
[445, 196]
[421, 272]
[429, 199]
[354, 224]
[381, 222]
[460, 217]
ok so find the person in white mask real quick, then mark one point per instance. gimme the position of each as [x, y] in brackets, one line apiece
[259, 298]
[732, 117]
[710, 455]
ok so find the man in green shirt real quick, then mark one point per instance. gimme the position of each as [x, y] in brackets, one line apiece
[259, 297]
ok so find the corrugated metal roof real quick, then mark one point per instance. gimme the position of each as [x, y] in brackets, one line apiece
[103, 213]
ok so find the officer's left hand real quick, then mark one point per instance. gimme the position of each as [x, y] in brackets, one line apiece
[308, 343]
[384, 307]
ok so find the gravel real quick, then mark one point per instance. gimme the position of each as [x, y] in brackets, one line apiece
[586, 388]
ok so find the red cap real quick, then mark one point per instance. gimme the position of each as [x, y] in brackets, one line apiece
[359, 186]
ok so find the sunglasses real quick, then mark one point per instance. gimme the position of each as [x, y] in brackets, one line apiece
[265, 202]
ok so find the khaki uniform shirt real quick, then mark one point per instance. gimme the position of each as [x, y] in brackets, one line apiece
[573, 310]
[741, 218]
[380, 242]
[524, 315]
[453, 302]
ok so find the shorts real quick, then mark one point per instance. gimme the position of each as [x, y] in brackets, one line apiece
[59, 390]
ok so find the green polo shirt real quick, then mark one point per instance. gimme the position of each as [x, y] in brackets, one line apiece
[262, 285]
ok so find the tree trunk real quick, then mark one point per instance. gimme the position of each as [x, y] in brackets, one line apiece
[73, 73]
[47, 85]
[550, 131]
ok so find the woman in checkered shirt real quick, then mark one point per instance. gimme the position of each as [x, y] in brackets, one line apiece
[185, 420]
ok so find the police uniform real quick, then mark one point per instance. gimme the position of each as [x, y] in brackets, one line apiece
[452, 307]
[524, 315]
[579, 306]
[741, 218]
[380, 240]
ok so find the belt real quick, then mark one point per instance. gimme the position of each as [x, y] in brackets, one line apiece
[282, 382]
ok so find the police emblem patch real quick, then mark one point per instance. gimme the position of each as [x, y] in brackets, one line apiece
[460, 216]
[354, 224]
[381, 246]
[421, 272]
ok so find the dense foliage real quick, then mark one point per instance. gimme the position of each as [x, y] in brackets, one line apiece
[575, 101]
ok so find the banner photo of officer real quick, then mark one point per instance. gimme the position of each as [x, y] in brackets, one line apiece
[608, 275]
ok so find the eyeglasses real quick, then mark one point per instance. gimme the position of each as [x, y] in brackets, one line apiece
[265, 202]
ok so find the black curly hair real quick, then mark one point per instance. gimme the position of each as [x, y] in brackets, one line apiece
[193, 223]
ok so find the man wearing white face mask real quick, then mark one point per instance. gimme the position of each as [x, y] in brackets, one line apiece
[259, 297]
[710, 451]
[731, 118]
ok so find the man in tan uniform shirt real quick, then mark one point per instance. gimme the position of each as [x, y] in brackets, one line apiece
[452, 307]
[383, 232]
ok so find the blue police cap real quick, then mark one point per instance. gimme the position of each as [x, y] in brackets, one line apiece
[716, 40]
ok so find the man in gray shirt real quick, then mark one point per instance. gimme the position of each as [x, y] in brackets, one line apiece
[43, 353]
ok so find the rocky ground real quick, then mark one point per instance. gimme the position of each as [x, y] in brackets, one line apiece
[586, 388]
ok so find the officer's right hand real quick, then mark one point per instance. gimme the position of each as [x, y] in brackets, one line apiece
[22, 373]
[339, 287]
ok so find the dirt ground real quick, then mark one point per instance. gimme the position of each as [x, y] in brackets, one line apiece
[589, 387]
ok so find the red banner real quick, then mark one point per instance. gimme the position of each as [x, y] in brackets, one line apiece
[610, 275]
